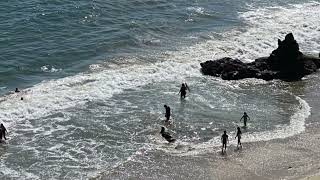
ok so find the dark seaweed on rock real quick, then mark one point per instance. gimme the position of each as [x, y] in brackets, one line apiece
[286, 63]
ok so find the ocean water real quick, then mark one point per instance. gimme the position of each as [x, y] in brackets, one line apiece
[95, 75]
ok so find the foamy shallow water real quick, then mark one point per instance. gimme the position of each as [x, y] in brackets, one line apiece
[80, 125]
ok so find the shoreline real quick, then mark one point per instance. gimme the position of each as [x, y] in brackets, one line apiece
[296, 157]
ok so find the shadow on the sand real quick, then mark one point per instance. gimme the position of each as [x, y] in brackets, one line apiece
[238, 149]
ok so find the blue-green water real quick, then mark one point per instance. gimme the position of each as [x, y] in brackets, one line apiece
[67, 36]
[95, 75]
[52, 39]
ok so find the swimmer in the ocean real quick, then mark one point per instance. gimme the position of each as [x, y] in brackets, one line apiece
[245, 117]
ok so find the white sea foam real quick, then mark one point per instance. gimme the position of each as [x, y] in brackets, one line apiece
[49, 69]
[50, 96]
[198, 10]
[14, 174]
[296, 126]
[265, 26]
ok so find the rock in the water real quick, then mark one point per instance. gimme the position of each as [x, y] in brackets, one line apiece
[286, 62]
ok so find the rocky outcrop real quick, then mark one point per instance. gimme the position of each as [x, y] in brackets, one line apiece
[286, 63]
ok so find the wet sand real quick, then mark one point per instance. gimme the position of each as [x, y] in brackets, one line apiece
[296, 157]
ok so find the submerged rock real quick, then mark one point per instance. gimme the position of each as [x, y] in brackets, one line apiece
[286, 63]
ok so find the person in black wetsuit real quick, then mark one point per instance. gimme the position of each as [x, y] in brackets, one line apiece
[245, 117]
[239, 137]
[1, 135]
[166, 135]
[3, 131]
[168, 113]
[183, 90]
[224, 139]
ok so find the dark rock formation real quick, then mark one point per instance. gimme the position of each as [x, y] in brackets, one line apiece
[286, 63]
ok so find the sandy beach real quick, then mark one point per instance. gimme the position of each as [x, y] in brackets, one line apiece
[94, 76]
[292, 158]
[296, 157]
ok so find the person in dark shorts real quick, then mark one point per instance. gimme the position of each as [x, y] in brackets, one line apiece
[183, 90]
[239, 137]
[225, 140]
[168, 113]
[245, 117]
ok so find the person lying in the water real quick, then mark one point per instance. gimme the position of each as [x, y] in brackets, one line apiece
[166, 135]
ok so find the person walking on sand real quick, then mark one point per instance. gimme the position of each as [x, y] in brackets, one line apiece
[245, 117]
[225, 140]
[183, 90]
[3, 131]
[239, 137]
[168, 113]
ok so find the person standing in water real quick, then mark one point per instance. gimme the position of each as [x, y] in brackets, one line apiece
[183, 90]
[245, 117]
[239, 137]
[3, 131]
[224, 139]
[168, 113]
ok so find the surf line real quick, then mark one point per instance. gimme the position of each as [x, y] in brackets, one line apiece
[296, 126]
